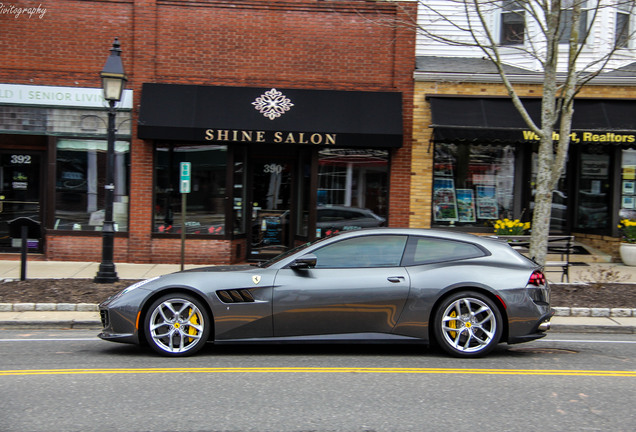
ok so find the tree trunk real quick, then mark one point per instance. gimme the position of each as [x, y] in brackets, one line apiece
[542, 203]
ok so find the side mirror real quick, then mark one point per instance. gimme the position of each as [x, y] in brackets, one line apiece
[304, 262]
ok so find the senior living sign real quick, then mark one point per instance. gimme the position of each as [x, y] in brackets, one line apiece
[82, 97]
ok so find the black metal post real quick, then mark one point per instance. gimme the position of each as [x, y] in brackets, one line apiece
[107, 272]
[25, 246]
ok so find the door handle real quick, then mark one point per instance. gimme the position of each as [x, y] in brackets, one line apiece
[395, 279]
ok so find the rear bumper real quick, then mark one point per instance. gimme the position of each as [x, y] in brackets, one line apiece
[541, 326]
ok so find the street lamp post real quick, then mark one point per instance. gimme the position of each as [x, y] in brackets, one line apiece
[113, 82]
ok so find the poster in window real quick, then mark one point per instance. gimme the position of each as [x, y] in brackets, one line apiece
[443, 168]
[466, 205]
[628, 188]
[627, 202]
[487, 207]
[594, 166]
[444, 202]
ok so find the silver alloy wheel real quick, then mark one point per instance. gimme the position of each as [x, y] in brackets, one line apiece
[177, 325]
[469, 325]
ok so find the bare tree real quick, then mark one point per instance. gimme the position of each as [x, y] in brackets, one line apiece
[545, 25]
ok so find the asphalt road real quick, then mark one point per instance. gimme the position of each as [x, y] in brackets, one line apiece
[68, 380]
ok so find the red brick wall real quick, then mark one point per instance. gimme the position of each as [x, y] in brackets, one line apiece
[67, 46]
[312, 44]
[83, 248]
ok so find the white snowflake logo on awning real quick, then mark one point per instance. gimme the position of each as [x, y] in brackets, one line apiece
[272, 104]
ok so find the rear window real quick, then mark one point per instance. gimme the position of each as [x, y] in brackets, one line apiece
[427, 250]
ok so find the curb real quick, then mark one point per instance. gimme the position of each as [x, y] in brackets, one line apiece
[49, 307]
[594, 312]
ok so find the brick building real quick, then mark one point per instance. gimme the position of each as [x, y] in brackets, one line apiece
[294, 115]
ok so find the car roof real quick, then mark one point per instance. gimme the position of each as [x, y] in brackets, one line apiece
[430, 232]
[492, 244]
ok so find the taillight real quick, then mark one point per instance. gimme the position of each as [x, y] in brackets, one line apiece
[537, 278]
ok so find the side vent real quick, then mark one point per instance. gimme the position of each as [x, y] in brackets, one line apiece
[235, 296]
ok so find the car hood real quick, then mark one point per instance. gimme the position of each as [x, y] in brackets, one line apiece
[222, 268]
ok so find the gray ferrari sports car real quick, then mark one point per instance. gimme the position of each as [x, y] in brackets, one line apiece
[464, 292]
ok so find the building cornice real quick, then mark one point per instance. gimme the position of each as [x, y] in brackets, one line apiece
[489, 78]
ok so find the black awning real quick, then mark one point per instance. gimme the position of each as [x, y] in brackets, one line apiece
[284, 116]
[474, 119]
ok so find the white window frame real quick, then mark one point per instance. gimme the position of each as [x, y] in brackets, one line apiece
[585, 8]
[625, 8]
[511, 7]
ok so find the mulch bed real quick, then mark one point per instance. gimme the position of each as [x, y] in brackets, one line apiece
[618, 295]
[59, 290]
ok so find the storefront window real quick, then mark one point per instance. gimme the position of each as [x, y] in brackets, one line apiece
[560, 198]
[352, 189]
[473, 185]
[303, 194]
[205, 204]
[80, 181]
[239, 198]
[628, 185]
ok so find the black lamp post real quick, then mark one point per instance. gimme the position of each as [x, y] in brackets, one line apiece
[113, 82]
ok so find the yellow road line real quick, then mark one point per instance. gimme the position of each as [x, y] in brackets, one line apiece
[549, 372]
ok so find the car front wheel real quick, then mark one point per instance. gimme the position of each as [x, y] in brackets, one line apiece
[467, 324]
[177, 325]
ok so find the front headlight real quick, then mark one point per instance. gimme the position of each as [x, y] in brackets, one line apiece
[137, 285]
[129, 289]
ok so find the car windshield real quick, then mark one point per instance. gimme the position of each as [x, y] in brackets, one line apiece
[290, 252]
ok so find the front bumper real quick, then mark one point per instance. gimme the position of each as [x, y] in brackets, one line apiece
[120, 317]
[117, 328]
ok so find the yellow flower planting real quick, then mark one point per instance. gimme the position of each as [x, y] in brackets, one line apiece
[628, 229]
[511, 227]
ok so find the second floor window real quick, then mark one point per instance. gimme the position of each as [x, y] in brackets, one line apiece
[565, 23]
[513, 23]
[622, 31]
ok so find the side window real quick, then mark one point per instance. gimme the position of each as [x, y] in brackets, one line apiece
[361, 252]
[622, 31]
[565, 23]
[513, 23]
[427, 250]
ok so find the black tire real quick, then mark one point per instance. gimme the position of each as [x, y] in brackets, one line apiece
[177, 325]
[467, 324]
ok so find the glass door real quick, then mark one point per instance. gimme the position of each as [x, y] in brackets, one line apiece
[19, 196]
[593, 207]
[271, 206]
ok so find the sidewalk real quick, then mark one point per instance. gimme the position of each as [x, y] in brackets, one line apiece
[83, 270]
[64, 315]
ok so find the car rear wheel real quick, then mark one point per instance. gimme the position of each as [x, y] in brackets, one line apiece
[177, 325]
[467, 324]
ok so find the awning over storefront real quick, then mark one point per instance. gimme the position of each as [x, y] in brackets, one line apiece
[483, 120]
[270, 115]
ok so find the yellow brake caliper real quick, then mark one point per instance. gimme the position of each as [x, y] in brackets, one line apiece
[194, 320]
[453, 324]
